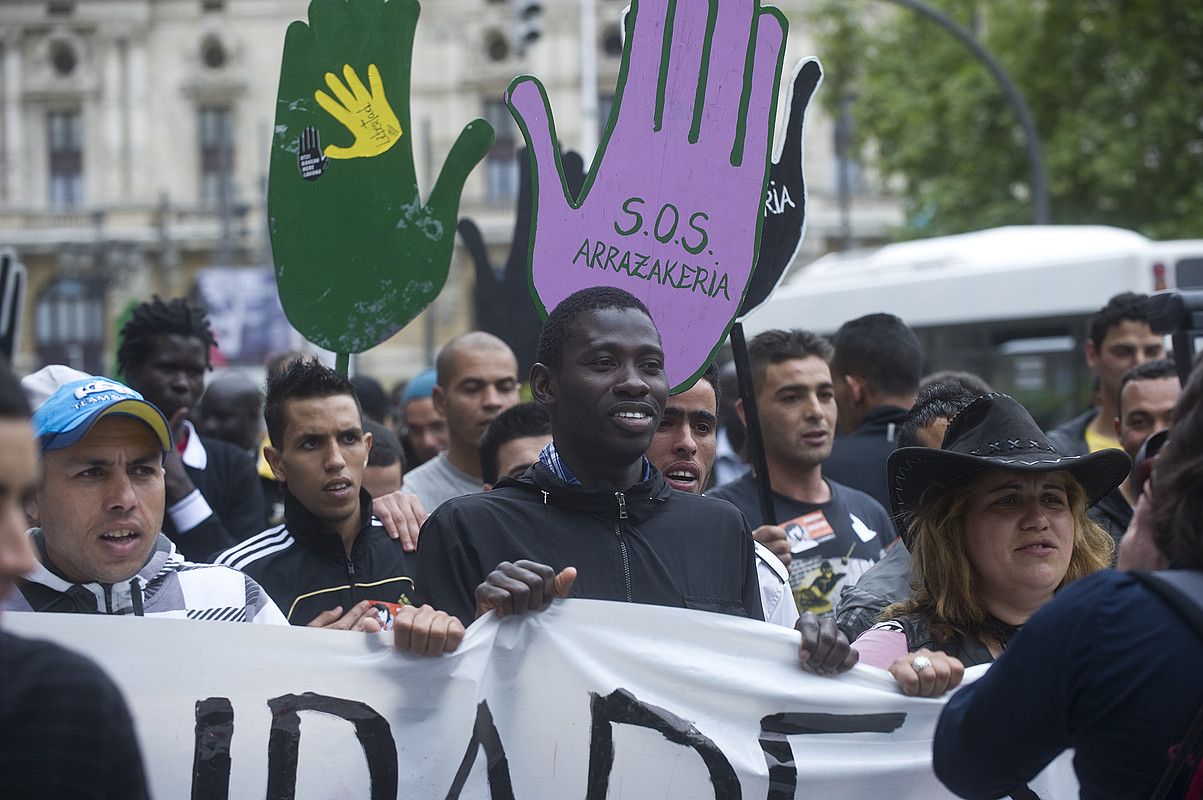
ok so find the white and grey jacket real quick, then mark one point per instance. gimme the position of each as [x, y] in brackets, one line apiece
[167, 586]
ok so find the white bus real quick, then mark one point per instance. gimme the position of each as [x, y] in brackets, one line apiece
[1009, 304]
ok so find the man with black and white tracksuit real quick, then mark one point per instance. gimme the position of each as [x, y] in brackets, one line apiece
[99, 510]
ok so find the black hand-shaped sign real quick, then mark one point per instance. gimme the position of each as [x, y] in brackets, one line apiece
[785, 196]
[504, 306]
[309, 155]
[12, 301]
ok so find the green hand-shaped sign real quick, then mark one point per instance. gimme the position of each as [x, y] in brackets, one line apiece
[357, 253]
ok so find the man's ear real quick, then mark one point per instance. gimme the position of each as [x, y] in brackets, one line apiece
[439, 399]
[273, 460]
[858, 390]
[31, 509]
[1115, 422]
[542, 386]
[1092, 354]
[367, 441]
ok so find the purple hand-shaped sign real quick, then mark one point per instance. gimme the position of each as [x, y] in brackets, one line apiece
[671, 208]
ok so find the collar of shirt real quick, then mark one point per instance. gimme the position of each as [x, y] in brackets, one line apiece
[193, 455]
[551, 459]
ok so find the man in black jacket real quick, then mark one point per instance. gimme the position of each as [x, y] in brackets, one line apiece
[875, 370]
[212, 487]
[593, 502]
[331, 564]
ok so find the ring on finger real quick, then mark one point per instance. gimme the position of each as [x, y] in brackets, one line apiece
[920, 663]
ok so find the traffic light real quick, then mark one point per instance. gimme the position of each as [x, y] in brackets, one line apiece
[528, 23]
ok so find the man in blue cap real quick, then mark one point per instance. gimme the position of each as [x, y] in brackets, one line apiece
[65, 730]
[99, 514]
[425, 429]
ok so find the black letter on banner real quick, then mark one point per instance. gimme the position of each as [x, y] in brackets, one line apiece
[783, 776]
[1025, 793]
[620, 706]
[211, 758]
[371, 729]
[484, 732]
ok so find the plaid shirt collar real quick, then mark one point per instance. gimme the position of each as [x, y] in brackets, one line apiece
[551, 459]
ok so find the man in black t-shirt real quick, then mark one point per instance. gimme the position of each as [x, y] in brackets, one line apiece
[831, 532]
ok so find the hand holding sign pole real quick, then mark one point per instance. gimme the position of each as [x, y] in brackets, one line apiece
[358, 254]
[671, 208]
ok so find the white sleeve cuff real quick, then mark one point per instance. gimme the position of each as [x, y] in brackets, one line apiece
[186, 514]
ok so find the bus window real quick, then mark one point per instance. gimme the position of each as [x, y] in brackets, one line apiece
[1040, 372]
[1188, 274]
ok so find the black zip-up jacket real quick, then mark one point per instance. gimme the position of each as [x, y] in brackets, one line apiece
[305, 569]
[647, 544]
[858, 458]
[225, 483]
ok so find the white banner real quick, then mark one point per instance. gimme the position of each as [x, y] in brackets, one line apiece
[586, 700]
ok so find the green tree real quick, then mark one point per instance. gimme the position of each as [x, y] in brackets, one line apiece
[1115, 87]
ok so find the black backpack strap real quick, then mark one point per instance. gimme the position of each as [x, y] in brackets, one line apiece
[1181, 590]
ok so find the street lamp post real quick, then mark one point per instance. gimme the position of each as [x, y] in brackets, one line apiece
[588, 20]
[1040, 215]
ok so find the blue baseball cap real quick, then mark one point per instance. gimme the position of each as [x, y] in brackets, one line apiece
[69, 413]
[419, 386]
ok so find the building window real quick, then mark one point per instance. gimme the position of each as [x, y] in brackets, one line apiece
[69, 324]
[612, 41]
[216, 153]
[63, 59]
[213, 52]
[497, 45]
[605, 104]
[501, 164]
[65, 138]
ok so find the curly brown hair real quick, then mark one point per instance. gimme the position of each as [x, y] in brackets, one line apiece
[1178, 480]
[942, 579]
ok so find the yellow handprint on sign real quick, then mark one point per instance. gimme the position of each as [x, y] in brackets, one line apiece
[366, 114]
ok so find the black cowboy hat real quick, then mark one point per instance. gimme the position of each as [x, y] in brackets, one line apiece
[994, 431]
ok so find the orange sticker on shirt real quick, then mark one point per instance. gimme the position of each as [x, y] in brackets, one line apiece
[808, 531]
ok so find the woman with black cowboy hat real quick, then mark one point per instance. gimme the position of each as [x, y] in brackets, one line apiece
[996, 523]
[1111, 667]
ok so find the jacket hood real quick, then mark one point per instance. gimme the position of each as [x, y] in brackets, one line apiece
[638, 502]
[55, 593]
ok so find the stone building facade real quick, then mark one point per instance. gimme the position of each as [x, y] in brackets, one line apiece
[133, 153]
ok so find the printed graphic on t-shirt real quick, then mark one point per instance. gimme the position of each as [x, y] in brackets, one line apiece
[808, 531]
[816, 581]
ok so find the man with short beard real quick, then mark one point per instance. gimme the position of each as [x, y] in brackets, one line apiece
[833, 532]
[683, 449]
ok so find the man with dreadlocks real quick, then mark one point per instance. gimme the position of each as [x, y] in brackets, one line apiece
[213, 500]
